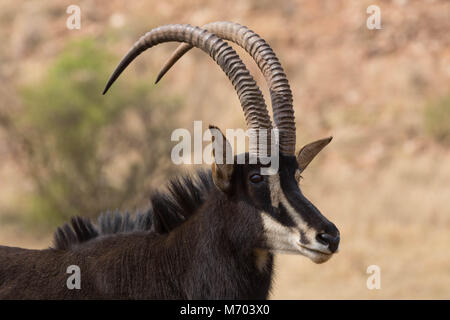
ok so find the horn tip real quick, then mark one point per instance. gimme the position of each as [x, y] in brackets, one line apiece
[108, 85]
[160, 75]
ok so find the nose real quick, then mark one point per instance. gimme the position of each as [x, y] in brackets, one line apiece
[329, 240]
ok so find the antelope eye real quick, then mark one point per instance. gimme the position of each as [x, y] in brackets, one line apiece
[256, 178]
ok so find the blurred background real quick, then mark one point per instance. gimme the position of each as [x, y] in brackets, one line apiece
[383, 94]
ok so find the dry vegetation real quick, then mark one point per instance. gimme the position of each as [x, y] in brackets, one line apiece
[384, 180]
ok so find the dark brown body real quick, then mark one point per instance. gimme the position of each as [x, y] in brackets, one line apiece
[210, 256]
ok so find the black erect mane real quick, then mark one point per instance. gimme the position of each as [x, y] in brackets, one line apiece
[168, 210]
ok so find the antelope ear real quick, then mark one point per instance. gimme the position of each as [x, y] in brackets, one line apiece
[222, 170]
[308, 152]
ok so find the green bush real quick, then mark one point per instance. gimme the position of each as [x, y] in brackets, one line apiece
[437, 119]
[85, 152]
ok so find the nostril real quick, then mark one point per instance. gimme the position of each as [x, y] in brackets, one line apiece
[323, 238]
[331, 241]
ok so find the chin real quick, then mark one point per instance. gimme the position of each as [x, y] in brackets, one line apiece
[315, 256]
[320, 258]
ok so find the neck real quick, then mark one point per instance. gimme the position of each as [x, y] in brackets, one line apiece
[216, 255]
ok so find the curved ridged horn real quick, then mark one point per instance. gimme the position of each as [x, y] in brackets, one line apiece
[251, 98]
[268, 63]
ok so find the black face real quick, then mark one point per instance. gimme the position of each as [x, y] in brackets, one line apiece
[291, 223]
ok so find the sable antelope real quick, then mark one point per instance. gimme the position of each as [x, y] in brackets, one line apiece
[211, 235]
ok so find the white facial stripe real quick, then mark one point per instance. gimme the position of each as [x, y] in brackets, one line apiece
[275, 190]
[309, 233]
[283, 239]
[277, 196]
[279, 236]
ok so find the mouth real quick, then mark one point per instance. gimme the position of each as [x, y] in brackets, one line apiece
[315, 255]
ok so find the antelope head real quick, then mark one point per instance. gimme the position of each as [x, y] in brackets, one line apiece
[289, 221]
